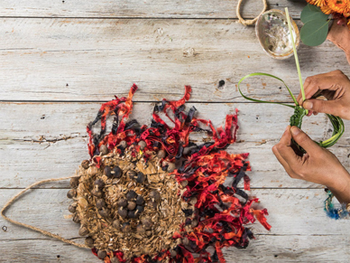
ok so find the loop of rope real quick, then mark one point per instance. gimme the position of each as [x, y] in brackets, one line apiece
[252, 21]
[11, 201]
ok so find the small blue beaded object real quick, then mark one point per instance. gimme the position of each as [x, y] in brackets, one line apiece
[332, 212]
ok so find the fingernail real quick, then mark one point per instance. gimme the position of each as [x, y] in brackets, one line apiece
[295, 130]
[307, 105]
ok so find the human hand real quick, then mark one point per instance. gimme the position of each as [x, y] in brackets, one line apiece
[318, 165]
[335, 86]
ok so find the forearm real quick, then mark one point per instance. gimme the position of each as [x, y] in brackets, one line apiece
[341, 187]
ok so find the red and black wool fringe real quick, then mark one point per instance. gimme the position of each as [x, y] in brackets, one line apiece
[222, 211]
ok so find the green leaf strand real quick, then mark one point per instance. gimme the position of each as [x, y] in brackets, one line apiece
[295, 54]
[299, 113]
[263, 101]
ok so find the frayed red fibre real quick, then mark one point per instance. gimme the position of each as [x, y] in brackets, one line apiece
[260, 215]
[221, 215]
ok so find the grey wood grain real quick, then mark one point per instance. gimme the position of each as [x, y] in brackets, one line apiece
[44, 140]
[297, 248]
[94, 59]
[61, 59]
[291, 212]
[142, 9]
[54, 121]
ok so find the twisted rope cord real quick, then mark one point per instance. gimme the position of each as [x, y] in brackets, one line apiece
[46, 233]
[252, 21]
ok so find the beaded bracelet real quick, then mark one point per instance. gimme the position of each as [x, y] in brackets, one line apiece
[335, 213]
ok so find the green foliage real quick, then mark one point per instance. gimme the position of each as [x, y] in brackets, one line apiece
[295, 54]
[262, 101]
[338, 130]
[299, 113]
[314, 32]
[297, 118]
[311, 12]
[315, 29]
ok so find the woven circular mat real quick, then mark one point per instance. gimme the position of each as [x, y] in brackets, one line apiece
[150, 194]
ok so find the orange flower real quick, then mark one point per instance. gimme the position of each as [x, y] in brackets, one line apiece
[333, 6]
[317, 2]
[326, 9]
[339, 6]
[346, 13]
[322, 4]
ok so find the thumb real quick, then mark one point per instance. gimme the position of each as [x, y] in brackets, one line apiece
[323, 106]
[303, 140]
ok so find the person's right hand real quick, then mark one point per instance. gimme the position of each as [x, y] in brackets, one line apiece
[317, 165]
[335, 86]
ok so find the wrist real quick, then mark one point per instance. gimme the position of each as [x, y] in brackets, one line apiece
[340, 187]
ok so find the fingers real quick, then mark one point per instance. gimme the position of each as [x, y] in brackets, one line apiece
[282, 161]
[309, 113]
[281, 147]
[286, 137]
[300, 99]
[304, 141]
[323, 106]
[285, 150]
[321, 82]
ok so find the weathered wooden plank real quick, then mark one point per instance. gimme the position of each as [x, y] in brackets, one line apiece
[82, 59]
[150, 8]
[291, 212]
[38, 208]
[44, 140]
[26, 163]
[40, 122]
[298, 248]
[93, 59]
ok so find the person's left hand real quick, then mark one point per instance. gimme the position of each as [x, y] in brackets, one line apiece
[318, 165]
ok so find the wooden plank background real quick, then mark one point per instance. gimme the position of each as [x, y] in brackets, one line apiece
[145, 9]
[93, 60]
[61, 59]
